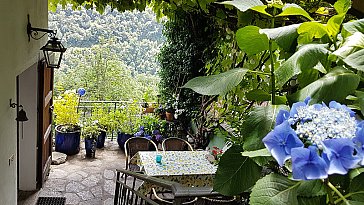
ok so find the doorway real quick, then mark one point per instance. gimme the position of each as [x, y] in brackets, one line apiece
[34, 137]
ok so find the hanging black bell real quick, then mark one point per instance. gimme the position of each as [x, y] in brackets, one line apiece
[22, 116]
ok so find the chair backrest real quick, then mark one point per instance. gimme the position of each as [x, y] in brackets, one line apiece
[176, 144]
[136, 144]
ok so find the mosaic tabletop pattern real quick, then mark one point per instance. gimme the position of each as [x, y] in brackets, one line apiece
[175, 163]
[189, 168]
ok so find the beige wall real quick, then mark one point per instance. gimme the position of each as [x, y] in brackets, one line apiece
[16, 55]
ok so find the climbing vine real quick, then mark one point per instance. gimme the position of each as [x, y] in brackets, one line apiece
[182, 58]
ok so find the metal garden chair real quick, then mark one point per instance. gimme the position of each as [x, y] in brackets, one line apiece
[176, 144]
[136, 144]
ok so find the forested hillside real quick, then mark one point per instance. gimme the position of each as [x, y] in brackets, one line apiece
[107, 51]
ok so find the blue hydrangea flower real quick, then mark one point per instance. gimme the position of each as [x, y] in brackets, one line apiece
[293, 113]
[337, 139]
[282, 116]
[148, 137]
[307, 100]
[140, 133]
[159, 138]
[338, 106]
[307, 164]
[280, 141]
[318, 106]
[359, 140]
[339, 155]
[318, 122]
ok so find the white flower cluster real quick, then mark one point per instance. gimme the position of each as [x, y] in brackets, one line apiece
[317, 123]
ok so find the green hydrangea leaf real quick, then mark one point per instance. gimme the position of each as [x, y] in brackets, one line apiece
[284, 36]
[242, 5]
[351, 27]
[251, 41]
[352, 44]
[258, 95]
[335, 85]
[334, 24]
[235, 173]
[342, 6]
[217, 84]
[261, 9]
[258, 124]
[274, 189]
[311, 200]
[294, 10]
[310, 30]
[306, 57]
[356, 60]
[312, 188]
[257, 153]
[357, 188]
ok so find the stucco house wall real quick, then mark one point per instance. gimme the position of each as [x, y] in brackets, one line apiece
[16, 55]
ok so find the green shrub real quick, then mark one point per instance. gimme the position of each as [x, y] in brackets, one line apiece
[104, 119]
[65, 111]
[90, 129]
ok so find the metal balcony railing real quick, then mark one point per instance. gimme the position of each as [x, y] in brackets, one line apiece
[86, 108]
[128, 182]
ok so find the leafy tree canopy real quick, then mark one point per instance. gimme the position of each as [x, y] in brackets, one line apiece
[160, 7]
[112, 55]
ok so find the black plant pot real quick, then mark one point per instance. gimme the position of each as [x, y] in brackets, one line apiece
[122, 137]
[67, 142]
[90, 147]
[100, 143]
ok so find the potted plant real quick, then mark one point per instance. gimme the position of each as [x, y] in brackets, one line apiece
[152, 128]
[149, 97]
[169, 112]
[90, 133]
[160, 112]
[121, 124]
[148, 107]
[68, 131]
[127, 120]
[145, 126]
[100, 141]
[104, 121]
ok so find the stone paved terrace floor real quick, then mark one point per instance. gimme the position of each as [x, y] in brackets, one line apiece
[82, 180]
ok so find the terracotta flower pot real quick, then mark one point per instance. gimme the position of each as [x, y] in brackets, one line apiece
[149, 110]
[169, 116]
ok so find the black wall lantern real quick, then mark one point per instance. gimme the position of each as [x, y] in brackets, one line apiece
[54, 45]
[21, 115]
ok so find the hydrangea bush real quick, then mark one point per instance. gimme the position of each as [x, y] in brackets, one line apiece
[319, 140]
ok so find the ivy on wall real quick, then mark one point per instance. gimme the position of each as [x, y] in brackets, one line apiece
[183, 57]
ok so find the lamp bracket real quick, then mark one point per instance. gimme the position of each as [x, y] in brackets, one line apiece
[34, 32]
[13, 104]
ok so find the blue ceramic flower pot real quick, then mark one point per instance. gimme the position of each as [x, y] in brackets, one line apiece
[122, 137]
[90, 147]
[67, 142]
[100, 143]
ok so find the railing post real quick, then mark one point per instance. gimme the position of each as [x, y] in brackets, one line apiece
[117, 188]
[112, 132]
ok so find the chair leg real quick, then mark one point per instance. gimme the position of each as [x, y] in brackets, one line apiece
[126, 163]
